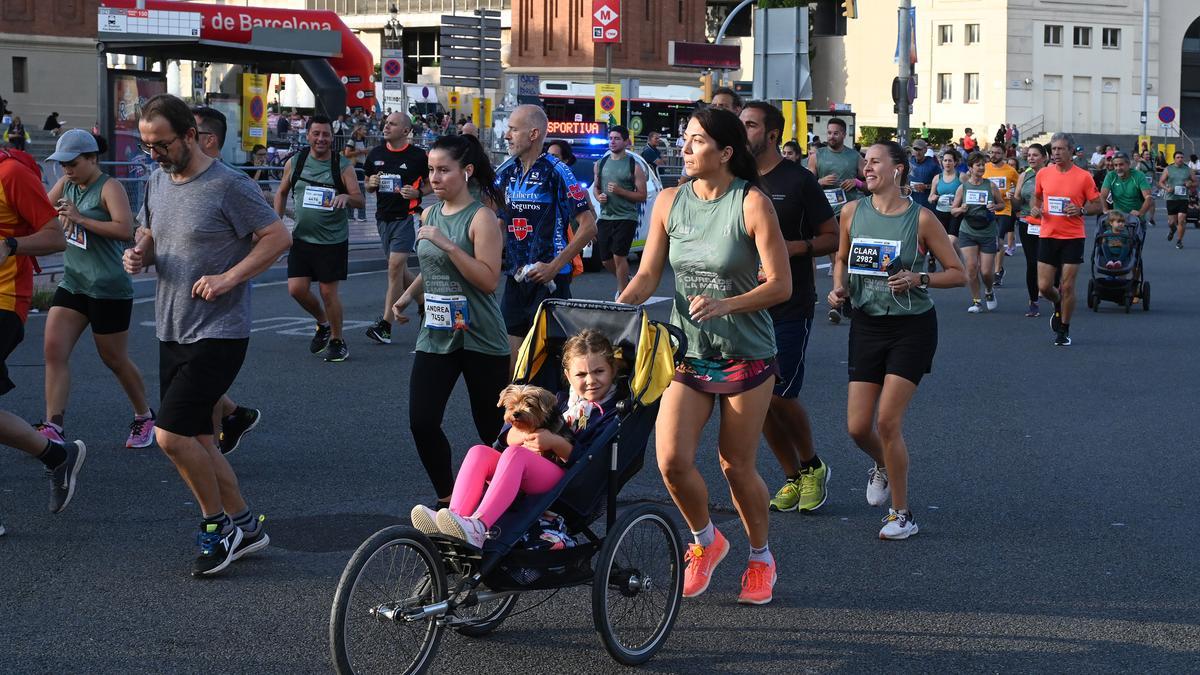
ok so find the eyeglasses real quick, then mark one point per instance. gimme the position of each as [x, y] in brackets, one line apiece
[161, 147]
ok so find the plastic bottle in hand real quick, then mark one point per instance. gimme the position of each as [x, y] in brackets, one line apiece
[523, 273]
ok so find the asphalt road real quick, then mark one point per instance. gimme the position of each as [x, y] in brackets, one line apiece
[1050, 485]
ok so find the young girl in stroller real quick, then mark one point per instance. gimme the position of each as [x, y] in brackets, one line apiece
[533, 461]
[1116, 243]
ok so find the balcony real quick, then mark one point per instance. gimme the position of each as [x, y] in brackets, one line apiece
[383, 7]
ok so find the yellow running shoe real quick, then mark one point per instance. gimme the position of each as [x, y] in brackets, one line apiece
[812, 487]
[788, 497]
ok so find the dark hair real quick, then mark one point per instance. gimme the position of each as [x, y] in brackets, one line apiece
[568, 155]
[838, 121]
[974, 157]
[212, 121]
[258, 147]
[899, 158]
[318, 119]
[620, 130]
[466, 149]
[173, 110]
[772, 117]
[727, 131]
[794, 146]
[1039, 147]
[737, 100]
[952, 152]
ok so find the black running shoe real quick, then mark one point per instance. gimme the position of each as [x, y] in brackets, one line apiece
[320, 339]
[337, 351]
[381, 332]
[835, 316]
[1062, 339]
[999, 279]
[216, 549]
[1170, 232]
[62, 477]
[252, 542]
[1179, 244]
[1056, 319]
[233, 427]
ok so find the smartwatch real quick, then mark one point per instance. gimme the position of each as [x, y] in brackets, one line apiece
[11, 243]
[924, 285]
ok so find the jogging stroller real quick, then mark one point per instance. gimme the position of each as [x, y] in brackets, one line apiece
[1117, 271]
[401, 589]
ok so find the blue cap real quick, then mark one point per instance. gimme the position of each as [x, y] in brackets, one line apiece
[72, 144]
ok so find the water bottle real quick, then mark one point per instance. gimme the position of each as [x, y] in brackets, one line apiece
[523, 273]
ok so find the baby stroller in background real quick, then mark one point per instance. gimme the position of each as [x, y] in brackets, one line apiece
[1117, 271]
[1193, 211]
[401, 589]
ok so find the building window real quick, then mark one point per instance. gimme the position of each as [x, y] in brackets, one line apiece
[1053, 36]
[1083, 36]
[972, 33]
[945, 34]
[971, 86]
[20, 75]
[945, 87]
[1111, 38]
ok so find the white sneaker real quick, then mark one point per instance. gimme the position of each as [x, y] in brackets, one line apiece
[878, 491]
[898, 526]
[990, 299]
[975, 308]
[424, 519]
[470, 530]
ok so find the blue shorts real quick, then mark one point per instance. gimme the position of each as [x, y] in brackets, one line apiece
[397, 236]
[791, 343]
[521, 299]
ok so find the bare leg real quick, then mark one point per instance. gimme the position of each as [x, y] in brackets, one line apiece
[300, 288]
[114, 352]
[971, 261]
[681, 419]
[742, 417]
[224, 408]
[63, 328]
[399, 279]
[1067, 290]
[333, 308]
[861, 401]
[986, 264]
[1046, 285]
[789, 434]
[621, 269]
[893, 404]
[17, 433]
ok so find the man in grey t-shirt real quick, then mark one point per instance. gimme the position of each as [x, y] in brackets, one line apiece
[208, 232]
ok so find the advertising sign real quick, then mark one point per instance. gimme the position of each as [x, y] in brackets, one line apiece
[606, 20]
[608, 103]
[254, 110]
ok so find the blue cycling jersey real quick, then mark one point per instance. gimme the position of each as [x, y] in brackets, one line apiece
[538, 208]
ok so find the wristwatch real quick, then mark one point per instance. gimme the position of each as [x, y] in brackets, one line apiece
[11, 243]
[924, 285]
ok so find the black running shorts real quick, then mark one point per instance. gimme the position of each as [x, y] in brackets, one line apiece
[12, 331]
[1059, 252]
[323, 263]
[1176, 207]
[892, 345]
[614, 238]
[105, 316]
[192, 378]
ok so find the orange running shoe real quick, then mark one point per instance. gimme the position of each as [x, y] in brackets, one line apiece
[758, 582]
[701, 561]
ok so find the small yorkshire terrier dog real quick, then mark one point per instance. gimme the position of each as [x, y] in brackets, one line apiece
[528, 408]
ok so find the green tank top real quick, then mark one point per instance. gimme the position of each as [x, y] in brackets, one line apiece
[874, 239]
[92, 262]
[712, 255]
[844, 164]
[316, 221]
[977, 220]
[619, 171]
[1177, 176]
[1027, 192]
[457, 314]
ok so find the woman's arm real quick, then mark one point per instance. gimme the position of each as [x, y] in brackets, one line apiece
[654, 256]
[1016, 200]
[957, 207]
[839, 293]
[933, 238]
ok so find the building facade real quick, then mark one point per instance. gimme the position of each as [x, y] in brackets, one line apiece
[48, 60]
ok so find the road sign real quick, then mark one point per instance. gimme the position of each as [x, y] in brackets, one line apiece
[608, 103]
[471, 50]
[453, 100]
[1166, 114]
[704, 55]
[254, 118]
[606, 20]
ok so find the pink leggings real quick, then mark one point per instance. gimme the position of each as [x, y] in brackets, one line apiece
[517, 469]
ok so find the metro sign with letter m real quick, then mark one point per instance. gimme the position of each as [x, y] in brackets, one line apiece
[606, 20]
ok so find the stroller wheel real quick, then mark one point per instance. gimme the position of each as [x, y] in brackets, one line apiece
[1145, 296]
[485, 617]
[393, 574]
[1091, 294]
[638, 584]
[1128, 301]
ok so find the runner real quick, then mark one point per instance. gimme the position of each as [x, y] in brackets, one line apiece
[894, 333]
[923, 169]
[322, 235]
[541, 196]
[29, 227]
[459, 248]
[231, 420]
[398, 172]
[1028, 225]
[837, 169]
[1004, 177]
[715, 229]
[1125, 188]
[95, 290]
[619, 184]
[1177, 181]
[202, 216]
[1063, 194]
[809, 230]
[1146, 165]
[945, 185]
[975, 202]
[726, 99]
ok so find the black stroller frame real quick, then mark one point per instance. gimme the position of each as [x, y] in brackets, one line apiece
[1120, 285]
[472, 591]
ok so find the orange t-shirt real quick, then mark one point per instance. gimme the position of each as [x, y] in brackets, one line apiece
[1005, 180]
[24, 208]
[1055, 189]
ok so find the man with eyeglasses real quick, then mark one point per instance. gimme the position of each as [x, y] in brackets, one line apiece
[202, 216]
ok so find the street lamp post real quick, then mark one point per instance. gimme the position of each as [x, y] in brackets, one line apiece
[393, 32]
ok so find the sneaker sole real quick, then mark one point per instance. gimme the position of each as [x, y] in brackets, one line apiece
[913, 529]
[379, 339]
[224, 563]
[775, 509]
[423, 523]
[256, 546]
[714, 568]
[451, 528]
[135, 446]
[257, 419]
[764, 601]
[329, 360]
[71, 478]
[824, 491]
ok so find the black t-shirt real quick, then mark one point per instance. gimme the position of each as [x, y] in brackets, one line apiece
[651, 155]
[397, 168]
[801, 206]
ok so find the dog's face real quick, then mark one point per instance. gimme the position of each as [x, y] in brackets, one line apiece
[526, 407]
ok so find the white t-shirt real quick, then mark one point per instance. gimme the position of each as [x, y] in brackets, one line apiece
[1097, 159]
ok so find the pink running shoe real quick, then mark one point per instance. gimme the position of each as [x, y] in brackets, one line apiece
[701, 561]
[758, 583]
[141, 432]
[50, 431]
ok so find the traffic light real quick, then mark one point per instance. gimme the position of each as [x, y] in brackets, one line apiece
[282, 83]
[706, 86]
[850, 9]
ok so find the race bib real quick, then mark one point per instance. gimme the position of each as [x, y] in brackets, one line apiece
[319, 198]
[446, 312]
[945, 202]
[871, 257]
[976, 197]
[76, 235]
[1180, 190]
[1001, 182]
[835, 197]
[390, 183]
[1033, 229]
[1057, 206]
